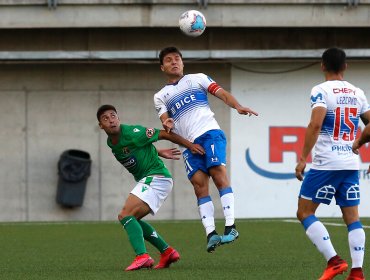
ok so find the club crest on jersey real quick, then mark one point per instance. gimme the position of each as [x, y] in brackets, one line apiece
[149, 132]
[125, 150]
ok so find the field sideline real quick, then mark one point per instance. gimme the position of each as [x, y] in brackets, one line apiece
[267, 249]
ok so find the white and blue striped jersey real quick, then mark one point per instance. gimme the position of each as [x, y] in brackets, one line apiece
[344, 103]
[186, 101]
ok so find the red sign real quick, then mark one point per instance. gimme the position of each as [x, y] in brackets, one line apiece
[290, 139]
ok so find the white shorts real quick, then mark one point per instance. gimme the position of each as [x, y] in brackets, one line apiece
[153, 191]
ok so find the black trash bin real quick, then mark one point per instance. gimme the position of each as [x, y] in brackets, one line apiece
[73, 169]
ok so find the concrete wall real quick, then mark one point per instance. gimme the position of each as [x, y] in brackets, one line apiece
[269, 13]
[47, 109]
[154, 39]
[48, 104]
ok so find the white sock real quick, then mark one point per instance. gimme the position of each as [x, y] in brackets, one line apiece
[227, 202]
[319, 236]
[206, 212]
[356, 240]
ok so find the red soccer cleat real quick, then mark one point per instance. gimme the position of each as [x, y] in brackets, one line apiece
[356, 274]
[142, 261]
[170, 255]
[335, 266]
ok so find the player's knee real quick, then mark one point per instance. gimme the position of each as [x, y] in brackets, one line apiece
[301, 215]
[199, 187]
[350, 218]
[220, 179]
[221, 182]
[123, 214]
[201, 191]
[298, 215]
[304, 213]
[120, 217]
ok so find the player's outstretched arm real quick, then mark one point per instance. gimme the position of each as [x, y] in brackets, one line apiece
[177, 139]
[172, 153]
[230, 100]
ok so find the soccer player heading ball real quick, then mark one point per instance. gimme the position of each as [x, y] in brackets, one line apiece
[183, 108]
[132, 147]
[337, 107]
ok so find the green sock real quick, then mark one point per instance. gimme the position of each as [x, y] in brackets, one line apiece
[135, 234]
[153, 237]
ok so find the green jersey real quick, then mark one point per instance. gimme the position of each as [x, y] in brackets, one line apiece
[136, 152]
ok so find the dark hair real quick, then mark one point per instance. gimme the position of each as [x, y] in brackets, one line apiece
[104, 108]
[166, 51]
[334, 60]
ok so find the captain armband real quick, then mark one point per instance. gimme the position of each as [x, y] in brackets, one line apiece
[213, 88]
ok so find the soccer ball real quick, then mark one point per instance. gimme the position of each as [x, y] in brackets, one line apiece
[192, 23]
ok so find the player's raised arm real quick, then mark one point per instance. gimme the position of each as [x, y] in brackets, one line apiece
[230, 100]
[177, 139]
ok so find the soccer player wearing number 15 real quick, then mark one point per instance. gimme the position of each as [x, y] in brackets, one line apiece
[337, 107]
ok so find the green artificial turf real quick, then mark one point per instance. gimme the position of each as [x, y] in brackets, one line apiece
[267, 249]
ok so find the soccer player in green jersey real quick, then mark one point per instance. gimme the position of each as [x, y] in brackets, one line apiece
[132, 146]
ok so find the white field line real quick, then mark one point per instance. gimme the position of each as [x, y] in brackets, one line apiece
[158, 221]
[325, 223]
